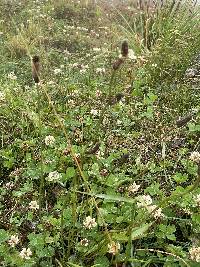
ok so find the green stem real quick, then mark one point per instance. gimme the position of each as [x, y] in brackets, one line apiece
[41, 188]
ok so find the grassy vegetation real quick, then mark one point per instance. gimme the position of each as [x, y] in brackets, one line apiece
[99, 162]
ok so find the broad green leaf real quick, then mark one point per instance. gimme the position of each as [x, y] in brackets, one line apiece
[70, 173]
[3, 235]
[140, 232]
[115, 198]
[101, 261]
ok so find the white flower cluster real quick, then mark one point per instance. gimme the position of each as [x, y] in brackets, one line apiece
[12, 76]
[53, 176]
[145, 201]
[13, 241]
[195, 254]
[113, 248]
[25, 253]
[83, 69]
[131, 55]
[100, 71]
[2, 97]
[89, 222]
[94, 112]
[195, 156]
[33, 205]
[96, 49]
[84, 242]
[157, 212]
[133, 188]
[197, 200]
[57, 71]
[49, 140]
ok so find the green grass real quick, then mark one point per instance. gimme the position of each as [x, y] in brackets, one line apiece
[99, 148]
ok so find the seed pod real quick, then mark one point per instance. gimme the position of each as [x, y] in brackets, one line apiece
[119, 96]
[94, 149]
[124, 158]
[116, 99]
[117, 63]
[184, 120]
[36, 68]
[124, 49]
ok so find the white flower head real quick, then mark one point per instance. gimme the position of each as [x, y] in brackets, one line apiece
[13, 241]
[119, 122]
[195, 254]
[197, 200]
[94, 112]
[89, 222]
[66, 52]
[131, 54]
[71, 102]
[74, 65]
[84, 242]
[57, 71]
[49, 140]
[96, 49]
[33, 205]
[84, 68]
[12, 76]
[195, 156]
[51, 83]
[98, 93]
[156, 212]
[144, 201]
[82, 71]
[25, 253]
[100, 71]
[53, 176]
[2, 97]
[133, 188]
[113, 248]
[9, 185]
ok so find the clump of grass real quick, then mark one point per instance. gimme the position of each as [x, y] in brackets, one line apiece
[167, 35]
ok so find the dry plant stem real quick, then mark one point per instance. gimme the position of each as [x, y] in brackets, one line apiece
[166, 253]
[101, 117]
[75, 159]
[59, 264]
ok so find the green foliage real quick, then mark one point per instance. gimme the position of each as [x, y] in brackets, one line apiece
[94, 169]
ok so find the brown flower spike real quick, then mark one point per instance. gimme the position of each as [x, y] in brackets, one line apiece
[36, 68]
[184, 120]
[124, 49]
[124, 53]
